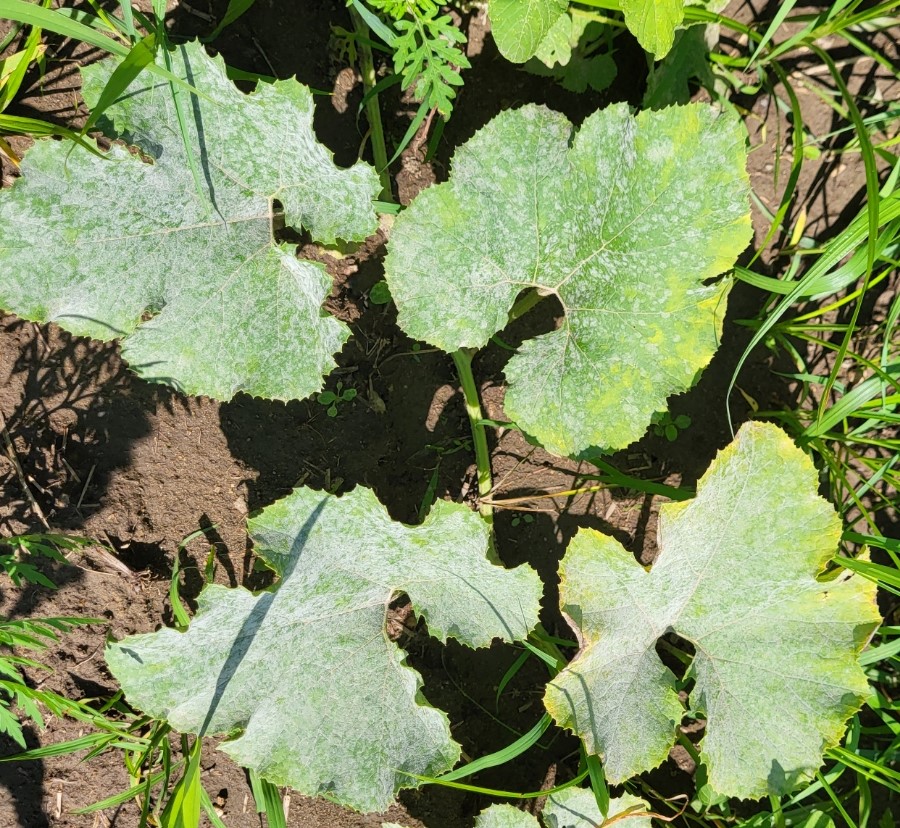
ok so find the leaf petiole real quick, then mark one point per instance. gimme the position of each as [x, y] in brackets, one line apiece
[463, 361]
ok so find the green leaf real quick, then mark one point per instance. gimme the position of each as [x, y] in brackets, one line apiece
[380, 293]
[568, 54]
[119, 239]
[669, 80]
[323, 698]
[577, 808]
[183, 808]
[776, 667]
[653, 22]
[519, 26]
[63, 22]
[557, 44]
[505, 816]
[141, 55]
[569, 808]
[236, 8]
[625, 224]
[816, 819]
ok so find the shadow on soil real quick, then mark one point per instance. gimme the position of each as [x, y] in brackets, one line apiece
[25, 782]
[72, 410]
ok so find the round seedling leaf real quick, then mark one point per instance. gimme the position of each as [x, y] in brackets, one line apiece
[627, 224]
[380, 294]
[322, 698]
[776, 670]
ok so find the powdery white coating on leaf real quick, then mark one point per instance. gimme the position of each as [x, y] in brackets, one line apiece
[776, 664]
[306, 671]
[505, 816]
[653, 23]
[624, 227]
[95, 244]
[569, 808]
[577, 808]
[519, 26]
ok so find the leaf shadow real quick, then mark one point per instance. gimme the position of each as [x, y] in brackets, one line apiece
[254, 622]
[25, 782]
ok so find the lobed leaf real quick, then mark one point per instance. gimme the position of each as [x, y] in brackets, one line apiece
[570, 808]
[776, 666]
[625, 224]
[322, 697]
[505, 816]
[98, 245]
[577, 808]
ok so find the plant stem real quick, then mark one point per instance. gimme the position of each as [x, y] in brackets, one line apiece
[373, 110]
[688, 745]
[463, 361]
[525, 304]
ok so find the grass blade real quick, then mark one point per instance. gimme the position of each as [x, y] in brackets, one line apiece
[784, 9]
[430, 780]
[235, 9]
[268, 800]
[374, 23]
[22, 11]
[141, 55]
[502, 756]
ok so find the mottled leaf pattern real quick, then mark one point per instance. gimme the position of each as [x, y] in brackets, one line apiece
[776, 649]
[569, 808]
[98, 246]
[577, 808]
[626, 224]
[505, 816]
[323, 698]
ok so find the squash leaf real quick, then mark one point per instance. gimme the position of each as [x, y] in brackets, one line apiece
[569, 53]
[653, 23]
[505, 816]
[570, 808]
[99, 245]
[519, 26]
[322, 698]
[669, 81]
[577, 808]
[776, 667]
[626, 224]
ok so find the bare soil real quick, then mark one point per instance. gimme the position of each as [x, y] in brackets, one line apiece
[139, 467]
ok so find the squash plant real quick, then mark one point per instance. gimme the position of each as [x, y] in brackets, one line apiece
[523, 27]
[629, 223]
[571, 808]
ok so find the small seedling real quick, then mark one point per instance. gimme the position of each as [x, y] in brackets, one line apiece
[523, 519]
[380, 294]
[665, 425]
[334, 398]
